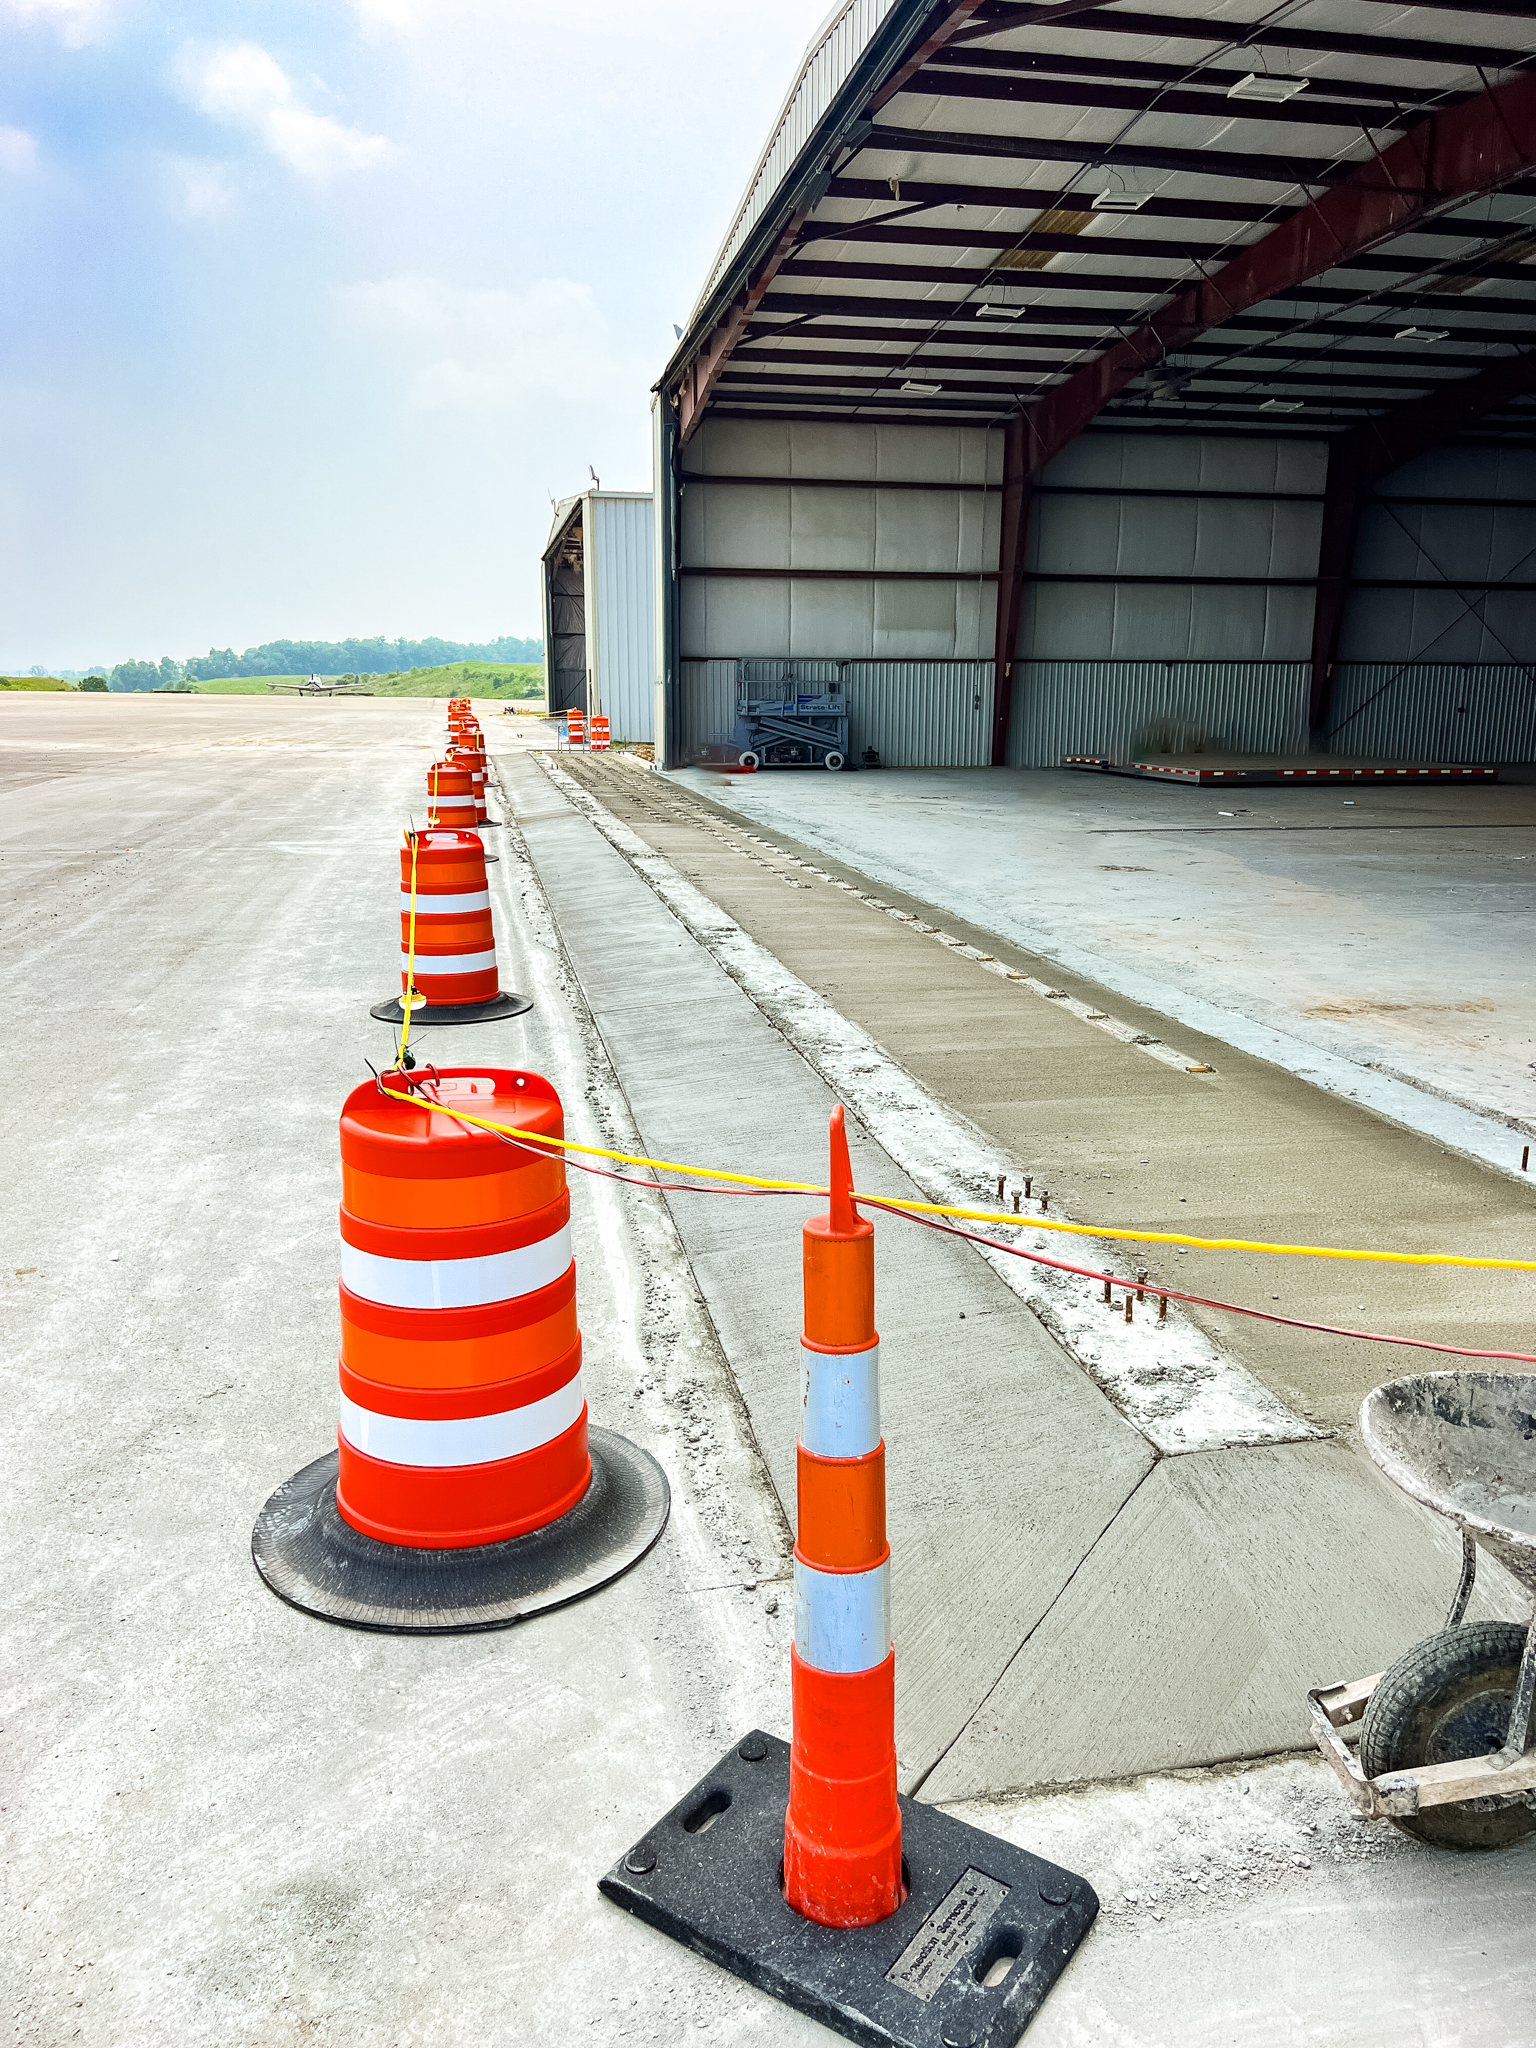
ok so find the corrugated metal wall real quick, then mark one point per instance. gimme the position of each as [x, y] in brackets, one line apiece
[621, 617]
[1456, 712]
[915, 714]
[1120, 708]
[822, 73]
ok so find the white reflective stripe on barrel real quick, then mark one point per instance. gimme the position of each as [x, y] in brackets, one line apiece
[456, 1283]
[445, 906]
[840, 1402]
[843, 1619]
[474, 1440]
[450, 963]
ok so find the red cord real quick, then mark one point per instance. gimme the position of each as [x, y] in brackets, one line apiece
[1143, 1287]
[1198, 1300]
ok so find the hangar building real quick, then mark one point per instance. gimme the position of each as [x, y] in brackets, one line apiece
[1081, 379]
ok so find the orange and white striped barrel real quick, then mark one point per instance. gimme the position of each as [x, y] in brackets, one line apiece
[469, 752]
[842, 1831]
[599, 735]
[450, 796]
[450, 952]
[463, 1419]
[575, 728]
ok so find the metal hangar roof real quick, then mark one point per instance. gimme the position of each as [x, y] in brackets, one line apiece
[1316, 218]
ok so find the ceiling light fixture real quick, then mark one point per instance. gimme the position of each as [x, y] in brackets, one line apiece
[1263, 85]
[1422, 334]
[1120, 202]
[922, 390]
[989, 309]
[1282, 405]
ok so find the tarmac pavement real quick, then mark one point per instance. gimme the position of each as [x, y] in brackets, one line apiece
[227, 1821]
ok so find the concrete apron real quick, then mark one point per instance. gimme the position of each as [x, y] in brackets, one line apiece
[229, 1822]
[1068, 1604]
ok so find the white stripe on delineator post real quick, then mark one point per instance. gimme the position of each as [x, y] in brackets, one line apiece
[843, 1619]
[450, 963]
[456, 1283]
[840, 1402]
[445, 906]
[472, 1440]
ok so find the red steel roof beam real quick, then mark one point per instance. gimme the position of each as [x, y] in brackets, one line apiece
[1476, 147]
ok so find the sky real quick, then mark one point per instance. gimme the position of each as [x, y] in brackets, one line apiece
[311, 305]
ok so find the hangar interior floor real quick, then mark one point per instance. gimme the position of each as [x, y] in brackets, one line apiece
[233, 1822]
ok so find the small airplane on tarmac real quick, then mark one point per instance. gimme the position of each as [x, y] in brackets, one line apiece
[321, 686]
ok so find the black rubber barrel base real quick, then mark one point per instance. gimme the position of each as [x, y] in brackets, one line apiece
[315, 1561]
[504, 1005]
[709, 1875]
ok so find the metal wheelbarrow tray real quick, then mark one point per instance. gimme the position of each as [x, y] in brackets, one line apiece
[1464, 1444]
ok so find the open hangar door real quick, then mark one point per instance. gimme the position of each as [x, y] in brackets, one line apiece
[599, 610]
[1186, 398]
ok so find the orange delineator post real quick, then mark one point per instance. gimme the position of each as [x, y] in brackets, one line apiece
[842, 1830]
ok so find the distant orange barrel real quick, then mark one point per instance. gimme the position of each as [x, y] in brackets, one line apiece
[600, 744]
[463, 1419]
[451, 954]
[450, 796]
[468, 751]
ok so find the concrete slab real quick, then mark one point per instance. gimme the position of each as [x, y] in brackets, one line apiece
[1369, 938]
[1250, 1151]
[964, 1366]
[1404, 1562]
[1227, 1586]
[228, 1822]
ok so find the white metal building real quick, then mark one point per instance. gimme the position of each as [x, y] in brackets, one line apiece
[1085, 379]
[599, 610]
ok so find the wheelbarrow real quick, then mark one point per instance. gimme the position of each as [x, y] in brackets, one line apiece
[1444, 1745]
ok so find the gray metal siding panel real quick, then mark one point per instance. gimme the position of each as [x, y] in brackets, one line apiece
[1452, 712]
[621, 590]
[1119, 708]
[915, 714]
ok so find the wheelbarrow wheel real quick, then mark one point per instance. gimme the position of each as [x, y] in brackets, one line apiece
[1444, 1700]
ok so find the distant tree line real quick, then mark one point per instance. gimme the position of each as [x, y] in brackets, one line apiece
[375, 657]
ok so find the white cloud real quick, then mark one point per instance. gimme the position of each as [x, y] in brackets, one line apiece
[497, 350]
[405, 15]
[241, 84]
[18, 151]
[77, 21]
[197, 189]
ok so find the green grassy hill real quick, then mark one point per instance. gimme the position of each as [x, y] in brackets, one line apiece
[53, 683]
[511, 680]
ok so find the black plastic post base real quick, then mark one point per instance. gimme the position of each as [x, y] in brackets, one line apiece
[314, 1560]
[709, 1875]
[504, 1005]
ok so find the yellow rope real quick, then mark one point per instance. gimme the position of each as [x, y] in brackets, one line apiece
[410, 959]
[800, 1187]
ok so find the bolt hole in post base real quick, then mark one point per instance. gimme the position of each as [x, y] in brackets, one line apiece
[504, 1005]
[316, 1561]
[965, 1962]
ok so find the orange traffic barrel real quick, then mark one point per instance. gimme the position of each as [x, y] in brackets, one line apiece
[600, 743]
[450, 796]
[468, 751]
[575, 728]
[448, 968]
[463, 1417]
[842, 1830]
